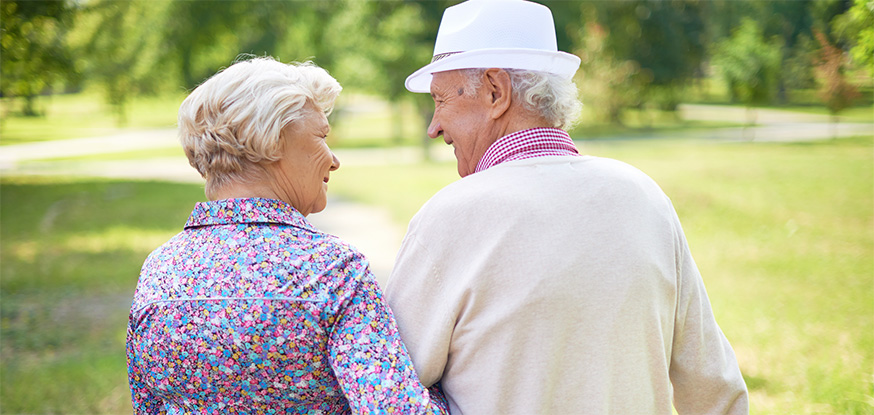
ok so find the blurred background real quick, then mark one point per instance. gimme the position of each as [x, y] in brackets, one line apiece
[756, 118]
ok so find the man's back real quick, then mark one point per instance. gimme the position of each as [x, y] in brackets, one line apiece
[559, 285]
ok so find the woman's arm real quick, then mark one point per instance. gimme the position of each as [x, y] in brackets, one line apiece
[370, 361]
[143, 400]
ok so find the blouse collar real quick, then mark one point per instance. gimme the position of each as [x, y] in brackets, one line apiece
[246, 210]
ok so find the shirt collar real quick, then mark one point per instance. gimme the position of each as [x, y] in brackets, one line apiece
[246, 210]
[525, 144]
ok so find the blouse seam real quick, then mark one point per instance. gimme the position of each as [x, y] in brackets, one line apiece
[177, 300]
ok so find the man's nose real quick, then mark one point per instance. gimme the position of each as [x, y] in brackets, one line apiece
[335, 162]
[435, 129]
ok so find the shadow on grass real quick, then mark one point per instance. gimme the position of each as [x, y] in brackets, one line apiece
[755, 383]
[71, 254]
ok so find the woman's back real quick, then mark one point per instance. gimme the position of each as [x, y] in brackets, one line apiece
[252, 310]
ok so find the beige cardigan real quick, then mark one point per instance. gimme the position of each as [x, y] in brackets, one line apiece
[560, 285]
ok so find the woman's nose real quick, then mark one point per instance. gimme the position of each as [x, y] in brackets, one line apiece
[335, 163]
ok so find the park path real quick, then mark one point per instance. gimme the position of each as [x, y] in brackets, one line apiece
[369, 228]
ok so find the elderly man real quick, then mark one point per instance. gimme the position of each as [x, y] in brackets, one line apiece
[545, 281]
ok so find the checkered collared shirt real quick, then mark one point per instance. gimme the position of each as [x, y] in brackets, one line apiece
[526, 144]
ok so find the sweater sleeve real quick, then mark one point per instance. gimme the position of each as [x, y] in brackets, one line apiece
[704, 371]
[417, 298]
[370, 361]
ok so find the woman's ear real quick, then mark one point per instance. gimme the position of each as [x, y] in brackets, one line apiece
[499, 91]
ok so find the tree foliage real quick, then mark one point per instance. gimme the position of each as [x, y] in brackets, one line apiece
[749, 63]
[34, 54]
[120, 49]
[835, 91]
[665, 40]
[608, 84]
[856, 28]
[636, 53]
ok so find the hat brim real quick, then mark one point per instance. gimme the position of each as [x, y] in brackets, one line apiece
[559, 63]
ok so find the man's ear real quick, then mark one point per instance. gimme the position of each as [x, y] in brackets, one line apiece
[499, 91]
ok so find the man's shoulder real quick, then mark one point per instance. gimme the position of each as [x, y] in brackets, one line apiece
[518, 175]
[472, 190]
[534, 181]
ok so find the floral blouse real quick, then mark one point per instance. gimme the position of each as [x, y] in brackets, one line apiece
[250, 310]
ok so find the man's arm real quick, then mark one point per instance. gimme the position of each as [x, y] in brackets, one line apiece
[704, 370]
[417, 297]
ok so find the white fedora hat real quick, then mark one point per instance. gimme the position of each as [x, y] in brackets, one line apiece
[509, 34]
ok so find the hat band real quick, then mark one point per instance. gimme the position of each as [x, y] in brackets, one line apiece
[442, 55]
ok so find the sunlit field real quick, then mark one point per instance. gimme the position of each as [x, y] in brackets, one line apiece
[755, 117]
[782, 233]
[784, 237]
[84, 115]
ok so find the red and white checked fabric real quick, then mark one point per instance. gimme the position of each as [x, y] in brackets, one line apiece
[526, 144]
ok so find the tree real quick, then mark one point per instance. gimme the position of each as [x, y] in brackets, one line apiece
[35, 55]
[835, 91]
[665, 39]
[199, 37]
[856, 28]
[749, 64]
[792, 22]
[120, 49]
[608, 85]
[391, 42]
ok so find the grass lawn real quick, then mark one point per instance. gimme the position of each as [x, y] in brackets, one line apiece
[783, 235]
[358, 120]
[71, 252]
[83, 115]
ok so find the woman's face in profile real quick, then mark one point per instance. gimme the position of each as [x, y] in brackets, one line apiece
[300, 177]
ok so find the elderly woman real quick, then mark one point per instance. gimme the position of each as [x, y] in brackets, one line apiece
[250, 309]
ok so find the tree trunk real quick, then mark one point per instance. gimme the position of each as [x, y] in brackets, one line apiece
[749, 131]
[397, 122]
[29, 109]
[426, 141]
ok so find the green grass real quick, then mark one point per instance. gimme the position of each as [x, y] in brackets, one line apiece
[83, 115]
[358, 121]
[167, 152]
[71, 252]
[854, 114]
[783, 235]
[402, 189]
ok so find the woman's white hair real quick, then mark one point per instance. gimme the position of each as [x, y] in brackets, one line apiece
[551, 96]
[232, 122]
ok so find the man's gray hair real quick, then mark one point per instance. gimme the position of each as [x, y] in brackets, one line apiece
[551, 96]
